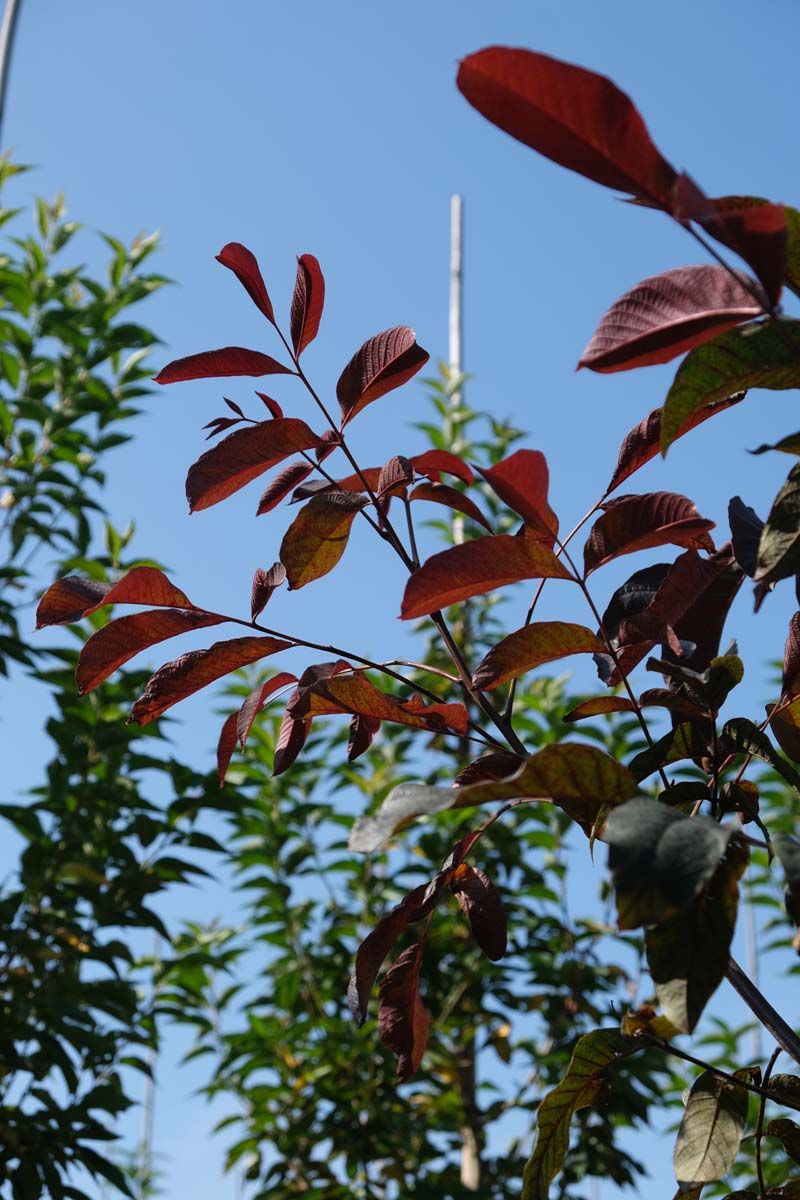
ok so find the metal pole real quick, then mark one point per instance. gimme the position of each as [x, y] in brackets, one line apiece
[8, 29]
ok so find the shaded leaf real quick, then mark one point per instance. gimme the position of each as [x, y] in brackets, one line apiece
[788, 1132]
[383, 363]
[779, 545]
[403, 1021]
[396, 474]
[495, 765]
[687, 955]
[480, 901]
[73, 597]
[643, 442]
[684, 741]
[214, 364]
[711, 1130]
[791, 659]
[308, 300]
[354, 693]
[120, 640]
[746, 527]
[521, 481]
[362, 731]
[242, 456]
[264, 584]
[668, 314]
[317, 537]
[659, 859]
[196, 669]
[291, 739]
[529, 647]
[575, 117]
[474, 568]
[741, 736]
[638, 522]
[377, 944]
[226, 746]
[242, 262]
[581, 780]
[255, 702]
[766, 355]
[441, 493]
[283, 483]
[785, 724]
[787, 445]
[580, 1088]
[756, 230]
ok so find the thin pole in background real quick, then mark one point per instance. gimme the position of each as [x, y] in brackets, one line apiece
[8, 29]
[456, 316]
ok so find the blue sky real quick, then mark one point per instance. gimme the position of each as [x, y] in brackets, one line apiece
[336, 129]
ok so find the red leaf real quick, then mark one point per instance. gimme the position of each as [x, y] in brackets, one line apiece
[598, 706]
[264, 584]
[791, 659]
[521, 482]
[490, 767]
[317, 537]
[283, 483]
[330, 440]
[433, 462]
[273, 406]
[403, 1021]
[243, 456]
[307, 302]
[441, 493]
[362, 731]
[384, 362]
[220, 424]
[644, 441]
[480, 901]
[73, 597]
[255, 702]
[195, 670]
[529, 647]
[474, 568]
[668, 314]
[226, 746]
[573, 116]
[120, 640]
[638, 522]
[755, 229]
[355, 694]
[242, 262]
[213, 364]
[355, 483]
[396, 474]
[291, 739]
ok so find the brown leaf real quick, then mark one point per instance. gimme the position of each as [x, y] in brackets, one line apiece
[474, 568]
[529, 647]
[638, 522]
[575, 117]
[480, 901]
[214, 364]
[73, 597]
[317, 537]
[362, 731]
[521, 481]
[196, 669]
[355, 694]
[291, 739]
[242, 456]
[384, 362]
[791, 659]
[264, 584]
[283, 483]
[403, 1021]
[242, 262]
[376, 946]
[598, 706]
[121, 640]
[493, 766]
[441, 493]
[643, 442]
[307, 302]
[668, 314]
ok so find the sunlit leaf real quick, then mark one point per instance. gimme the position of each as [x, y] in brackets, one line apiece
[214, 364]
[264, 584]
[521, 481]
[316, 539]
[283, 483]
[383, 363]
[575, 117]
[308, 300]
[242, 262]
[441, 493]
[529, 647]
[120, 640]
[74, 597]
[599, 706]
[242, 456]
[638, 522]
[474, 568]
[643, 442]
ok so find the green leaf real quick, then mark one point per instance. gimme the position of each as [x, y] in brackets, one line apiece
[660, 859]
[779, 545]
[582, 1085]
[711, 1130]
[756, 355]
[688, 954]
